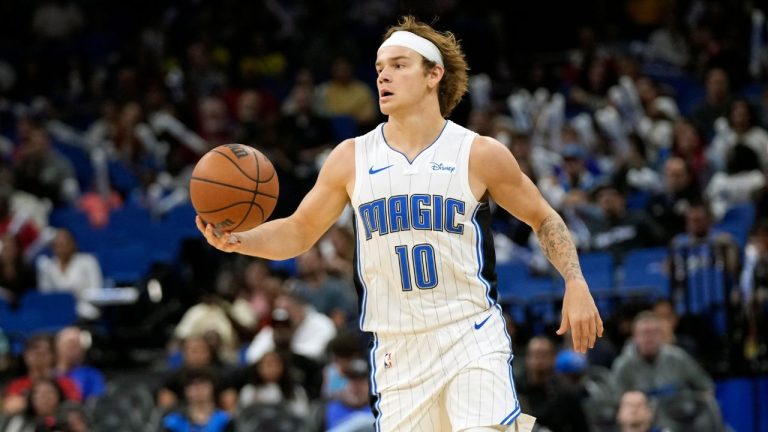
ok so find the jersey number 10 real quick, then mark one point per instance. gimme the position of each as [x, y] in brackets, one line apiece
[424, 267]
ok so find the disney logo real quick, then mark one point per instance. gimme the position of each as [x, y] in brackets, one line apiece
[439, 166]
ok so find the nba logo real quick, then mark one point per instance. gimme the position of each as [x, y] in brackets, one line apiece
[387, 360]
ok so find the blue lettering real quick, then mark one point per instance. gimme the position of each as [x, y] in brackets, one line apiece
[421, 217]
[372, 214]
[398, 213]
[452, 208]
[437, 208]
[420, 211]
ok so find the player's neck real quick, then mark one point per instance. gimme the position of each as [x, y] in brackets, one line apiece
[414, 131]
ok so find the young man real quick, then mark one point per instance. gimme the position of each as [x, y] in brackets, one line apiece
[420, 185]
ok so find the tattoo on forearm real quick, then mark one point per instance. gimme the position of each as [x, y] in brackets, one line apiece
[555, 240]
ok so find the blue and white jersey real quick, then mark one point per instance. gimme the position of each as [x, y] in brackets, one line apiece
[424, 255]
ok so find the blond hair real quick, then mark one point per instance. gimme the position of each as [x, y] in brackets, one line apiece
[454, 83]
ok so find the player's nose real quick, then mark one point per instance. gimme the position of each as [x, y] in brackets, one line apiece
[383, 78]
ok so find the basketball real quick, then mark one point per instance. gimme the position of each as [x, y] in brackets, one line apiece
[234, 187]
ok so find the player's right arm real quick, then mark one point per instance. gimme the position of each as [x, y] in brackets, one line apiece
[288, 237]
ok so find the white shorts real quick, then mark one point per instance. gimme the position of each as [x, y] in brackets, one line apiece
[448, 379]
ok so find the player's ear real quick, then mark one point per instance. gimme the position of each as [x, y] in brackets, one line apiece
[434, 75]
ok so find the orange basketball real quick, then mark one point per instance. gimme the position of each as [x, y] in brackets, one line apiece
[234, 187]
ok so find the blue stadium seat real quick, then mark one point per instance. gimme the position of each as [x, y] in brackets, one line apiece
[738, 221]
[43, 312]
[598, 269]
[81, 162]
[88, 238]
[736, 400]
[644, 270]
[120, 177]
[124, 263]
[182, 219]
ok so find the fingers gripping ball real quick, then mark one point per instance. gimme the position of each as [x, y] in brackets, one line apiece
[234, 187]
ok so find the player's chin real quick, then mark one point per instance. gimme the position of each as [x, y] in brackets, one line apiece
[386, 108]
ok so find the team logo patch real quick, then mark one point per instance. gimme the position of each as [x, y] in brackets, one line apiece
[441, 167]
[387, 360]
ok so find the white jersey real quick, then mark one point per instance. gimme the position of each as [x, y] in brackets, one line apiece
[424, 255]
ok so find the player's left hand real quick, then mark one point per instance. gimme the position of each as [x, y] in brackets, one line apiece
[580, 315]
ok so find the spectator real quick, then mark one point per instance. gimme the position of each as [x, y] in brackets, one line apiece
[133, 141]
[570, 185]
[754, 276]
[635, 176]
[307, 136]
[343, 348]
[215, 124]
[658, 369]
[271, 383]
[543, 163]
[327, 294]
[43, 409]
[70, 271]
[229, 316]
[668, 43]
[306, 330]
[199, 411]
[16, 225]
[260, 289]
[16, 275]
[616, 229]
[635, 413]
[715, 103]
[739, 183]
[344, 95]
[699, 231]
[656, 123]
[753, 313]
[689, 146]
[665, 310]
[298, 344]
[42, 171]
[70, 358]
[338, 250]
[681, 190]
[544, 395]
[595, 79]
[197, 354]
[738, 127]
[39, 361]
[351, 406]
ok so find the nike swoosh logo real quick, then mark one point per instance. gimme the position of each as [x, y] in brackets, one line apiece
[374, 171]
[482, 323]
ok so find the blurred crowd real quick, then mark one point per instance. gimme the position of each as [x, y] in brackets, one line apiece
[642, 123]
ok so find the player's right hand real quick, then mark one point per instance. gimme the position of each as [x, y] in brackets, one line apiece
[226, 241]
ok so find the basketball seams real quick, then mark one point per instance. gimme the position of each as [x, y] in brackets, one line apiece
[256, 180]
[218, 183]
[228, 207]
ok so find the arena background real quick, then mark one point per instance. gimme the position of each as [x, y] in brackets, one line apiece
[640, 120]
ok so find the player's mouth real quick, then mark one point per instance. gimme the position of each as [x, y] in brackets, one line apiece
[385, 94]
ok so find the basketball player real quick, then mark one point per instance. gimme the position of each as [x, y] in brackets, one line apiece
[419, 185]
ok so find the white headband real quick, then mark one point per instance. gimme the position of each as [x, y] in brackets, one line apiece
[415, 42]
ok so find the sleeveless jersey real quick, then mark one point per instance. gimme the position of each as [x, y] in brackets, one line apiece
[424, 255]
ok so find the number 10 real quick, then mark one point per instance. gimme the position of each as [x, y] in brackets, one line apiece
[424, 268]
